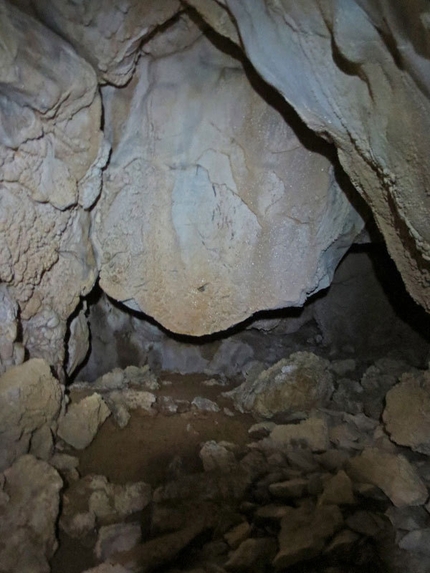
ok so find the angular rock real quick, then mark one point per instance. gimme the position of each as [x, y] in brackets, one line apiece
[79, 426]
[393, 474]
[337, 491]
[252, 555]
[290, 489]
[311, 434]
[295, 384]
[115, 538]
[367, 523]
[417, 541]
[408, 518]
[342, 544]
[304, 533]
[261, 430]
[205, 405]
[238, 535]
[29, 516]
[407, 412]
[30, 402]
[217, 457]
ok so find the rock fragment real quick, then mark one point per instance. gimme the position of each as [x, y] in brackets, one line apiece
[304, 533]
[30, 402]
[407, 412]
[311, 434]
[79, 426]
[393, 474]
[115, 538]
[252, 555]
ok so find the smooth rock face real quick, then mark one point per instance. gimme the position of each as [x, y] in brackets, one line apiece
[210, 195]
[30, 402]
[51, 156]
[295, 384]
[407, 412]
[335, 64]
[397, 478]
[79, 425]
[28, 518]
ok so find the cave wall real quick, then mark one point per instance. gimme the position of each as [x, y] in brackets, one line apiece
[186, 184]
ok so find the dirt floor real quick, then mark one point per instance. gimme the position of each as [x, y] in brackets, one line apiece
[151, 447]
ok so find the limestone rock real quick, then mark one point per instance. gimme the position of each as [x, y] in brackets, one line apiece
[107, 34]
[337, 490]
[237, 205]
[311, 434]
[115, 538]
[238, 535]
[252, 555]
[407, 412]
[304, 533]
[290, 489]
[417, 541]
[30, 402]
[217, 457]
[93, 499]
[79, 426]
[52, 152]
[295, 384]
[393, 474]
[205, 405]
[347, 51]
[28, 519]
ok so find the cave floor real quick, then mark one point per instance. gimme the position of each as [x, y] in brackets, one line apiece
[147, 448]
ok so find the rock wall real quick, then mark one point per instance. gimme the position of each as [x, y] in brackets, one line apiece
[216, 202]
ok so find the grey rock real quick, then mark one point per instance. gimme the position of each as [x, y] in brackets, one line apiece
[408, 518]
[205, 405]
[417, 541]
[79, 426]
[367, 523]
[115, 538]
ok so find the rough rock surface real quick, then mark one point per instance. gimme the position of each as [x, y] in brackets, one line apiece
[29, 509]
[340, 55]
[397, 478]
[51, 155]
[293, 385]
[407, 412]
[30, 402]
[80, 423]
[202, 208]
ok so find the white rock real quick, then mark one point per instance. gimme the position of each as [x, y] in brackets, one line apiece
[311, 434]
[115, 538]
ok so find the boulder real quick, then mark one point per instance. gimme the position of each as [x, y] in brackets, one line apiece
[115, 538]
[295, 384]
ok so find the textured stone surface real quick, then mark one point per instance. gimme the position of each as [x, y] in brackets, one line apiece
[339, 66]
[210, 194]
[397, 478]
[51, 155]
[311, 433]
[79, 425]
[295, 384]
[107, 33]
[407, 412]
[30, 401]
[28, 518]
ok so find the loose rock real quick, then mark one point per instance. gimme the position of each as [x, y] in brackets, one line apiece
[81, 422]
